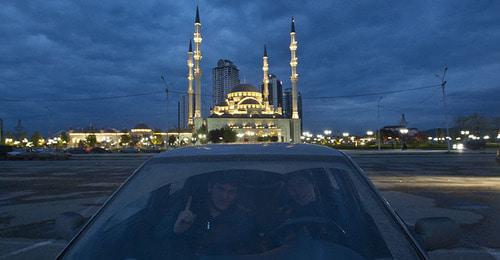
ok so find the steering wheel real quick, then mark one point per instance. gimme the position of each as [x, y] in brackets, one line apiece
[305, 221]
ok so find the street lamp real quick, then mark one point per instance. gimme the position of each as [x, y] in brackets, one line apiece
[345, 134]
[327, 132]
[369, 133]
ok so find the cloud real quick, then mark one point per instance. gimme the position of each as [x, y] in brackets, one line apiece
[94, 48]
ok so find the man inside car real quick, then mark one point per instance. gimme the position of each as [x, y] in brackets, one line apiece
[304, 212]
[218, 225]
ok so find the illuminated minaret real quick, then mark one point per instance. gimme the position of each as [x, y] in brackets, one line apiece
[197, 68]
[294, 78]
[190, 84]
[265, 79]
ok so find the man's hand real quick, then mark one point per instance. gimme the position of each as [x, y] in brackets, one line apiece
[185, 219]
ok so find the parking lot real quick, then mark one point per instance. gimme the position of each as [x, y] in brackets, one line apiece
[462, 186]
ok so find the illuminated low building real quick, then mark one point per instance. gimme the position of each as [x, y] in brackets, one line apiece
[140, 135]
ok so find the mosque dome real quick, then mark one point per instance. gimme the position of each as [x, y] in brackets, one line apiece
[141, 126]
[250, 102]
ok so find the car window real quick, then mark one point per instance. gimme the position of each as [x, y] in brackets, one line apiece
[190, 210]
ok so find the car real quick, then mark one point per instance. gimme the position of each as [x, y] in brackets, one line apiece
[76, 150]
[249, 201]
[130, 150]
[4, 149]
[99, 150]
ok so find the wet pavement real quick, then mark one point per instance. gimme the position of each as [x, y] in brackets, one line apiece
[464, 187]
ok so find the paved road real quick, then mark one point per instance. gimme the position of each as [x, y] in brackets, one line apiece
[465, 187]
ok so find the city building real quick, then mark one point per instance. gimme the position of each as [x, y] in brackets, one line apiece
[19, 132]
[275, 91]
[255, 115]
[398, 130]
[225, 76]
[287, 103]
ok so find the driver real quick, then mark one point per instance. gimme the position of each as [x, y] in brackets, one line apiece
[218, 225]
[305, 202]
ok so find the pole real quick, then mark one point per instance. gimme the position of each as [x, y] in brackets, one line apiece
[378, 120]
[1, 131]
[443, 84]
[166, 103]
[178, 116]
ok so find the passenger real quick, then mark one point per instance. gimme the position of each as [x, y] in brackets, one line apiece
[305, 201]
[304, 204]
[217, 226]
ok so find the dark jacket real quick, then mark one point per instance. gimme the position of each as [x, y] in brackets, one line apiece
[233, 231]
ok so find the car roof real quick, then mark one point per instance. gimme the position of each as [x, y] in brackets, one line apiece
[273, 149]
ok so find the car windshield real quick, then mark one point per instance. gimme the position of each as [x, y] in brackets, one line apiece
[264, 208]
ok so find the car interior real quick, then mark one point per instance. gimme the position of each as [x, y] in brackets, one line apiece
[335, 224]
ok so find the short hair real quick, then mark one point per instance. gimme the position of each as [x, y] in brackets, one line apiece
[225, 177]
[299, 174]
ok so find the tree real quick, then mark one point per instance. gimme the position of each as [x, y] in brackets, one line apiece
[91, 140]
[201, 134]
[157, 139]
[263, 139]
[36, 139]
[475, 123]
[225, 134]
[215, 136]
[64, 137]
[125, 139]
[228, 135]
[172, 139]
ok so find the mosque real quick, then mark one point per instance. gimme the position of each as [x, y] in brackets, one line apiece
[246, 109]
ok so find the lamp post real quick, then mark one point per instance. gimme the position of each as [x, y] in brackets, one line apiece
[378, 121]
[445, 113]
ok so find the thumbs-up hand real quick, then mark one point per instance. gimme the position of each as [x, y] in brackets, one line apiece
[185, 219]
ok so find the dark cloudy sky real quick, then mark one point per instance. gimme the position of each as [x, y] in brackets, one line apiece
[66, 50]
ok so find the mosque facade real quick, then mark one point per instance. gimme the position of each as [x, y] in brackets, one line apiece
[246, 109]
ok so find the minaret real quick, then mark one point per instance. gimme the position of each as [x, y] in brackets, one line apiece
[294, 78]
[190, 65]
[265, 79]
[197, 68]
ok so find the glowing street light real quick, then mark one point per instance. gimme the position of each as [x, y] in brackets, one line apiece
[403, 130]
[327, 132]
[369, 133]
[345, 134]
